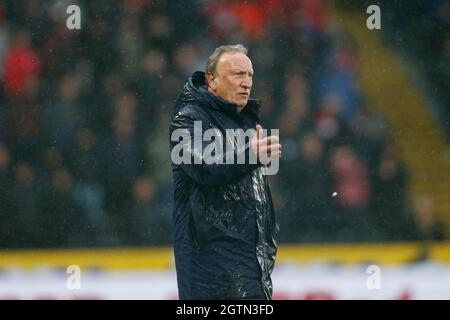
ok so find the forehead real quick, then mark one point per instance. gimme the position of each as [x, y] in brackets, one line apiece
[235, 60]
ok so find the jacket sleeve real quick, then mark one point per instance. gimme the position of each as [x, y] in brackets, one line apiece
[212, 173]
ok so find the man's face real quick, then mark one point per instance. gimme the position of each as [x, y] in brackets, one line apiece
[233, 78]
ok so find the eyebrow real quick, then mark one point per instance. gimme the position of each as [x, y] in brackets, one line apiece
[242, 71]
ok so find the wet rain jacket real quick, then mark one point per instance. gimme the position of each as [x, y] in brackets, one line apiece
[224, 223]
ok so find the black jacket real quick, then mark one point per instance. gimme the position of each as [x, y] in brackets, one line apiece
[224, 223]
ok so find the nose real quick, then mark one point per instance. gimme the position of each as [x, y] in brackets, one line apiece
[247, 83]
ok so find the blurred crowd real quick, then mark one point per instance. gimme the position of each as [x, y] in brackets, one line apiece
[84, 154]
[421, 30]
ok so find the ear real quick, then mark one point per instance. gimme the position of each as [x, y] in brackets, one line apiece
[212, 81]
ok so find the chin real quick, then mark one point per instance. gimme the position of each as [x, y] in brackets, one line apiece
[242, 103]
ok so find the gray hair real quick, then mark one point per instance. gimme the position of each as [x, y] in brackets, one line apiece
[211, 64]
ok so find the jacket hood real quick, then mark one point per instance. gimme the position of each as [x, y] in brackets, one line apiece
[195, 92]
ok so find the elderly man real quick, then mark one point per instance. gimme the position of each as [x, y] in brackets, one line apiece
[224, 223]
